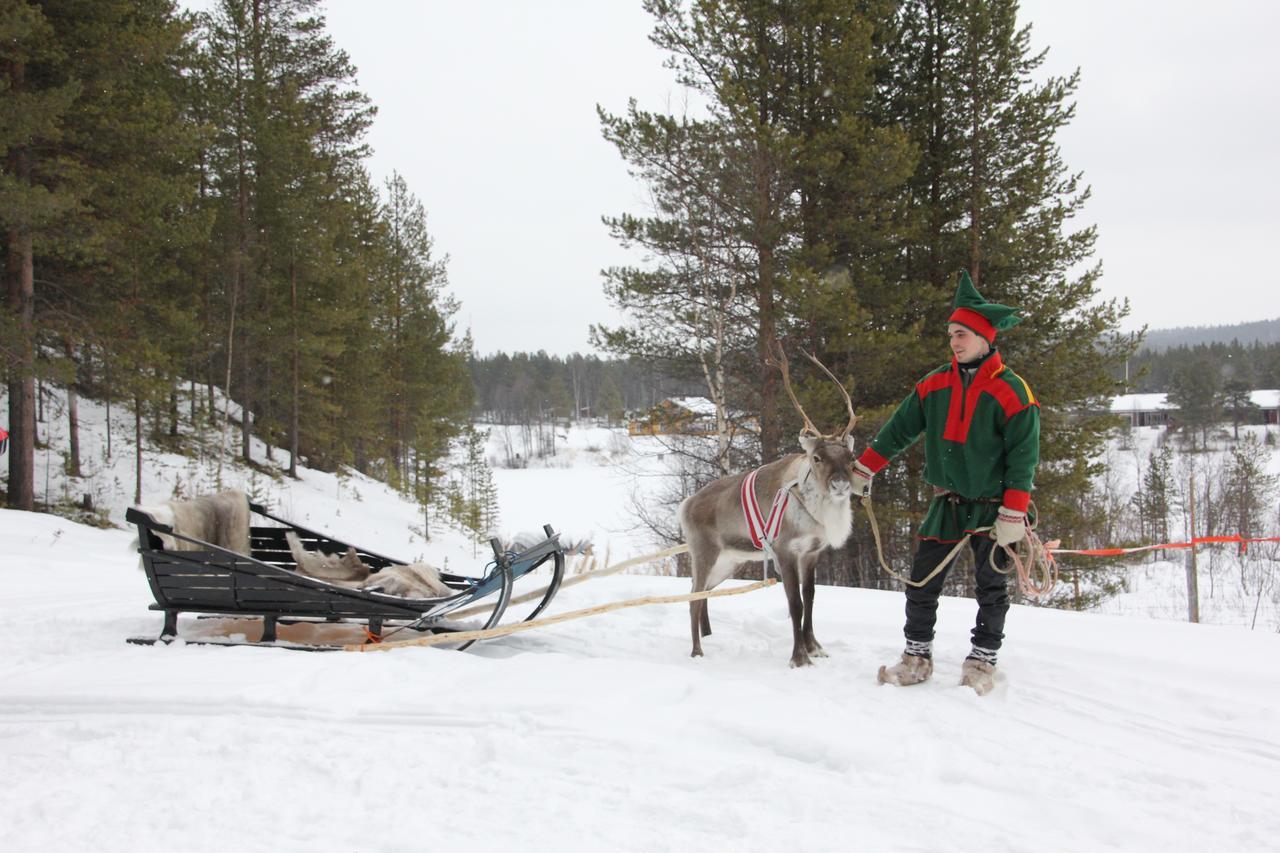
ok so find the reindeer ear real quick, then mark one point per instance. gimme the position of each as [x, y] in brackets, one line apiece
[810, 443]
[848, 441]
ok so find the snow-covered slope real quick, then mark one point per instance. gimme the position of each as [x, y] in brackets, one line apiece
[583, 492]
[602, 734]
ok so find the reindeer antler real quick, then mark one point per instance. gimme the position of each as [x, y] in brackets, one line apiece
[848, 401]
[778, 358]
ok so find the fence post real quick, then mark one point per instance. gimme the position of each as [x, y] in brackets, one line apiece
[1193, 588]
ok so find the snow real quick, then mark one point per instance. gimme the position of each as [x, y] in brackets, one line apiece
[1140, 403]
[1103, 732]
[1125, 403]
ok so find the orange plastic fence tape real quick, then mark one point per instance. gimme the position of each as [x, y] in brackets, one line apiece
[1242, 541]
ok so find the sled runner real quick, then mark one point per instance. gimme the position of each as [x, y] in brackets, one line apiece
[214, 580]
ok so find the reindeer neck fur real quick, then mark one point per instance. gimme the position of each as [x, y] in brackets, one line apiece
[815, 514]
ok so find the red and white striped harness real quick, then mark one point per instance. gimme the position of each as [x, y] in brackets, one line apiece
[763, 531]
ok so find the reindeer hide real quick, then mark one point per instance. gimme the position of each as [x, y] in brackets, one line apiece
[221, 519]
[417, 580]
[346, 568]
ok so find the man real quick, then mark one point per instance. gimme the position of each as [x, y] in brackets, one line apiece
[981, 428]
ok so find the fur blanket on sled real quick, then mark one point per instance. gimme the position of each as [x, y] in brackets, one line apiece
[221, 519]
[416, 580]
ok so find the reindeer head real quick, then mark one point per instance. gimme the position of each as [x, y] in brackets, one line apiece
[831, 463]
[830, 455]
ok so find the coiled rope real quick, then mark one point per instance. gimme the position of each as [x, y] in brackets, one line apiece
[1037, 572]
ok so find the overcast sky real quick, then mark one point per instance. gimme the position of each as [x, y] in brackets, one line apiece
[488, 110]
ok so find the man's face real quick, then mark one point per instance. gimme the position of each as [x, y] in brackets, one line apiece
[965, 343]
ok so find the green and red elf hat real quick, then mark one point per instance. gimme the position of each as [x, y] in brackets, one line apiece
[977, 314]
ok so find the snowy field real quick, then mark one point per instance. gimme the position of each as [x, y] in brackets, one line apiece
[1103, 733]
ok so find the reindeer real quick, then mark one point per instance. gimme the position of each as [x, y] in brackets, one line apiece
[812, 511]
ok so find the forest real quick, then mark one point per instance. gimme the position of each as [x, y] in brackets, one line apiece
[186, 207]
[189, 218]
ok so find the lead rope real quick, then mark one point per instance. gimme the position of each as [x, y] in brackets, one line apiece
[1037, 571]
[1038, 559]
[946, 561]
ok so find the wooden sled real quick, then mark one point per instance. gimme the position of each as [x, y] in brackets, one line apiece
[213, 580]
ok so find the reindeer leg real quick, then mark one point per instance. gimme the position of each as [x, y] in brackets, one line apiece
[703, 562]
[696, 611]
[791, 583]
[808, 572]
[706, 620]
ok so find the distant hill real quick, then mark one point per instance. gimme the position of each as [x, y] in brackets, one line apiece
[1259, 331]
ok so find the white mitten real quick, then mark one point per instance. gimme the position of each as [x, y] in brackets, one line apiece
[1011, 526]
[860, 479]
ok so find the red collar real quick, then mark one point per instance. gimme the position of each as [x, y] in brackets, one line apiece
[965, 401]
[987, 370]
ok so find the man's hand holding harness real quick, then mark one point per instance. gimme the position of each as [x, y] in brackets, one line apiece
[861, 480]
[1010, 527]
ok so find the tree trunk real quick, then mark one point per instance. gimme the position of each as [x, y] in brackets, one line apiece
[106, 376]
[137, 455]
[296, 397]
[22, 384]
[73, 412]
[975, 170]
[770, 431]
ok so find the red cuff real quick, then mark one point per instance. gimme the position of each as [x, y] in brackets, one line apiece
[1017, 499]
[872, 461]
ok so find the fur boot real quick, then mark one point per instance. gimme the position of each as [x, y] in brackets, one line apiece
[979, 675]
[910, 670]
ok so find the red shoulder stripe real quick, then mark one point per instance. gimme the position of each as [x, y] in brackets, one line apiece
[933, 382]
[1006, 397]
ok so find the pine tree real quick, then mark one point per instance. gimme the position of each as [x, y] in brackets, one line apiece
[291, 127]
[788, 176]
[113, 216]
[39, 188]
[473, 502]
[609, 401]
[1248, 490]
[1236, 399]
[1196, 389]
[992, 194]
[1153, 500]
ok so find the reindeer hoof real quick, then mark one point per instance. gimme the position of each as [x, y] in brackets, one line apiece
[696, 653]
[800, 660]
[818, 652]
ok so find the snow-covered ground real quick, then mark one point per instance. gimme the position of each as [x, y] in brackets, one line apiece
[602, 734]
[1104, 732]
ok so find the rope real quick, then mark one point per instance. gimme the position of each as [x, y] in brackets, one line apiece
[946, 561]
[1037, 561]
[467, 636]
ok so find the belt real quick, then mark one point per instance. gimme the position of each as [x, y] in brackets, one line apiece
[957, 498]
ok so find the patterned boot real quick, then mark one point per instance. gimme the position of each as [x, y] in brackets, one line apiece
[979, 671]
[912, 669]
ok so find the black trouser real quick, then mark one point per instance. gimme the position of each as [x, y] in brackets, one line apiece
[992, 591]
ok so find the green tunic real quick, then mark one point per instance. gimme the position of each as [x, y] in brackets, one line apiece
[981, 443]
